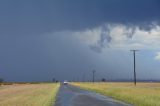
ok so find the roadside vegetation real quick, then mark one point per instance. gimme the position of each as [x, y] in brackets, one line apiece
[28, 94]
[144, 94]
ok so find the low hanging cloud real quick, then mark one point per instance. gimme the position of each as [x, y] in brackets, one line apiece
[120, 36]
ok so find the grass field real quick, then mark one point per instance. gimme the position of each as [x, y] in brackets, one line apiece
[144, 94]
[28, 94]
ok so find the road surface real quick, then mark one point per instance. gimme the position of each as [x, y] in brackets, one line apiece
[73, 96]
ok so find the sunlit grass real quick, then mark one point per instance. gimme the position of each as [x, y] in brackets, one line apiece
[28, 94]
[144, 94]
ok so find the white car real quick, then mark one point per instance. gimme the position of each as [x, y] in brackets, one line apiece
[65, 82]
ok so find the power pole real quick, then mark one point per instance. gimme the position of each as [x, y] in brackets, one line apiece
[93, 75]
[134, 56]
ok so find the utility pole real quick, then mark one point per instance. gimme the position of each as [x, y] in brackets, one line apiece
[134, 56]
[93, 75]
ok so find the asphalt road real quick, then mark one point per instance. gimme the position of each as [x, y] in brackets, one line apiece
[72, 96]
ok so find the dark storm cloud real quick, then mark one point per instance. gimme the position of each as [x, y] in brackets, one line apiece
[104, 40]
[31, 17]
[35, 44]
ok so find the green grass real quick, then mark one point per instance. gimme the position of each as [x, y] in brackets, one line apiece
[144, 94]
[28, 94]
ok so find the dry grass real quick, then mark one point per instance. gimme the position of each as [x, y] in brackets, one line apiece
[144, 94]
[28, 94]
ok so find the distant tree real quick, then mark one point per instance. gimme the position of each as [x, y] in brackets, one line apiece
[103, 80]
[1, 80]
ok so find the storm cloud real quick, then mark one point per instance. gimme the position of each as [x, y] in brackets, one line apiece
[65, 39]
[121, 36]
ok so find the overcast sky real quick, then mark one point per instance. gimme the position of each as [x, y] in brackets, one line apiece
[66, 39]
